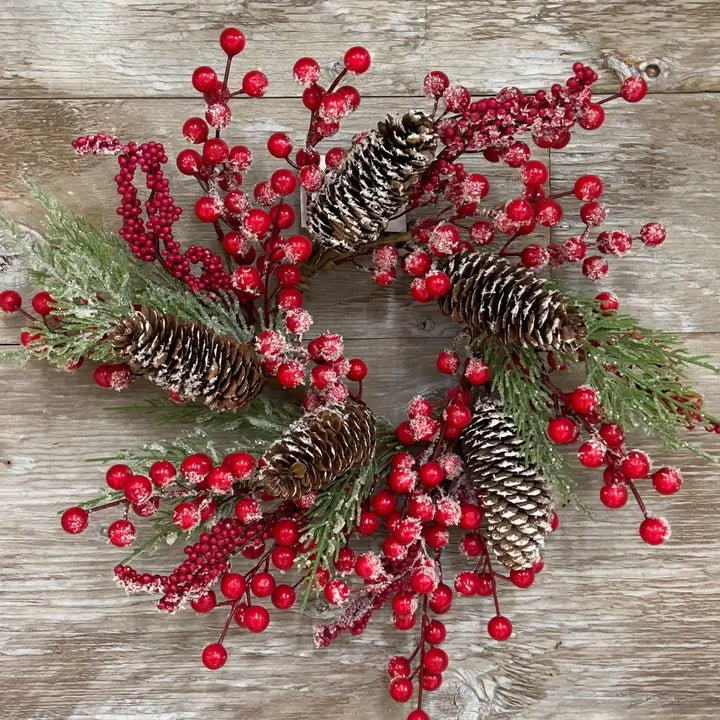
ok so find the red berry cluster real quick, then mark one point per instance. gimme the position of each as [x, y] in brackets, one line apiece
[603, 446]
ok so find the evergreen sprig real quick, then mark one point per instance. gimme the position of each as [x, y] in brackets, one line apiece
[335, 513]
[94, 281]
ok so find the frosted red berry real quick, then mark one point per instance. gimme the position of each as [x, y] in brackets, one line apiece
[534, 257]
[186, 516]
[583, 400]
[74, 520]
[357, 60]
[137, 489]
[654, 530]
[205, 603]
[254, 84]
[562, 431]
[667, 480]
[594, 268]
[232, 41]
[10, 302]
[534, 173]
[195, 468]
[612, 435]
[613, 496]
[635, 465]
[633, 89]
[652, 234]
[447, 362]
[204, 79]
[466, 583]
[121, 533]
[214, 656]
[588, 187]
[499, 628]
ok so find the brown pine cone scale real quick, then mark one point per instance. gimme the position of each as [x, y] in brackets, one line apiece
[318, 448]
[359, 198]
[515, 498]
[490, 295]
[189, 359]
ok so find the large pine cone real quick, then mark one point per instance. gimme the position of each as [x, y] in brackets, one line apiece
[490, 295]
[372, 184]
[189, 359]
[515, 499]
[318, 448]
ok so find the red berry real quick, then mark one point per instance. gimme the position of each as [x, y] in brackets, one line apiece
[441, 599]
[262, 584]
[588, 187]
[499, 628]
[195, 130]
[256, 619]
[583, 400]
[548, 213]
[208, 209]
[612, 435]
[356, 60]
[430, 682]
[279, 145]
[654, 530]
[239, 158]
[240, 464]
[401, 689]
[10, 302]
[219, 480]
[188, 162]
[285, 532]
[42, 303]
[186, 516]
[404, 433]
[635, 465]
[562, 431]
[447, 362]
[137, 489]
[357, 371]
[485, 585]
[204, 79]
[519, 210]
[591, 454]
[290, 374]
[466, 584]
[283, 597]
[74, 520]
[195, 468]
[431, 474]
[633, 89]
[205, 603]
[232, 586]
[435, 660]
[257, 222]
[667, 480]
[434, 632]
[437, 284]
[458, 416]
[232, 41]
[534, 257]
[116, 475]
[595, 268]
[398, 667]
[435, 84]
[214, 656]
[522, 578]
[254, 84]
[368, 523]
[283, 182]
[652, 234]
[306, 72]
[591, 117]
[470, 516]
[534, 173]
[121, 533]
[608, 302]
[613, 496]
[476, 371]
[288, 275]
[283, 557]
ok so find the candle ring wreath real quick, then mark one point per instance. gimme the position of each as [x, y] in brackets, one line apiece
[286, 485]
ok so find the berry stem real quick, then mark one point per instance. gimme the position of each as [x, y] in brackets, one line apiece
[421, 646]
[608, 99]
[503, 250]
[636, 495]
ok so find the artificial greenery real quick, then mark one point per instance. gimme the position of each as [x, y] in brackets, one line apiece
[95, 281]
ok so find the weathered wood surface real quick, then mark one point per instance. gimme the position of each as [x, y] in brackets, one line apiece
[612, 630]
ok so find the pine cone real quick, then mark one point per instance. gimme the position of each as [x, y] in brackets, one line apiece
[189, 359]
[318, 448]
[490, 295]
[357, 200]
[516, 502]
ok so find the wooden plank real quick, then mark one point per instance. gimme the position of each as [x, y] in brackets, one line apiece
[651, 171]
[127, 48]
[72, 647]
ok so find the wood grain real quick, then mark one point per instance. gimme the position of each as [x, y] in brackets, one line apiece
[129, 48]
[73, 647]
[612, 629]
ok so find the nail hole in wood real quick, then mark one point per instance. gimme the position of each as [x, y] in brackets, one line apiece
[652, 70]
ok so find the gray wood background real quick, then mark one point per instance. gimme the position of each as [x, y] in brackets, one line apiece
[612, 630]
